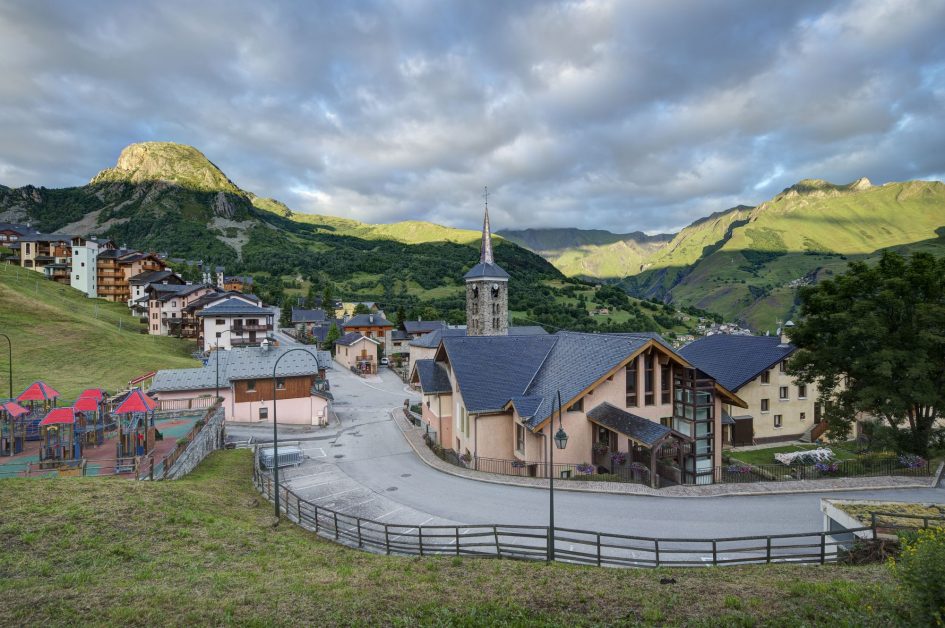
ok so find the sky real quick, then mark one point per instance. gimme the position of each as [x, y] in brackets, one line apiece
[625, 115]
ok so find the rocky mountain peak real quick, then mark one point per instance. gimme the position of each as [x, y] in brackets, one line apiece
[178, 164]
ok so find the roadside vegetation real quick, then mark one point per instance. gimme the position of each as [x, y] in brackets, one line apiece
[203, 550]
[73, 342]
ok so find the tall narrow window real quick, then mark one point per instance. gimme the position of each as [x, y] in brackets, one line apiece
[520, 438]
[764, 405]
[666, 383]
[802, 391]
[631, 373]
[766, 377]
[783, 393]
[648, 366]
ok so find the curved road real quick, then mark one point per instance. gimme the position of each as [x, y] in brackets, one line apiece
[368, 469]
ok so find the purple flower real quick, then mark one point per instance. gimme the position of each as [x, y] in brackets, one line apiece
[585, 469]
[618, 457]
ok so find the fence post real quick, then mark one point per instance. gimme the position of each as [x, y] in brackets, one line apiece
[151, 473]
[598, 549]
[360, 541]
[298, 504]
[823, 548]
[656, 550]
[495, 532]
[316, 518]
[336, 523]
[420, 537]
[873, 524]
[768, 556]
[715, 556]
[456, 530]
[387, 539]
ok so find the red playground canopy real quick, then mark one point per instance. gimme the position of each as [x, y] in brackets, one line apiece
[38, 391]
[59, 415]
[13, 408]
[136, 401]
[97, 393]
[86, 404]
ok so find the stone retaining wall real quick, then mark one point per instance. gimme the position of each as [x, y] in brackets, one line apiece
[209, 438]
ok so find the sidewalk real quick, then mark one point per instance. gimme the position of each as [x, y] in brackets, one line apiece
[414, 438]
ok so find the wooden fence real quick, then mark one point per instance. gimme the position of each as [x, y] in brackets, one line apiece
[569, 545]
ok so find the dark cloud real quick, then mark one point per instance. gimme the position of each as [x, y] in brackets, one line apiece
[615, 115]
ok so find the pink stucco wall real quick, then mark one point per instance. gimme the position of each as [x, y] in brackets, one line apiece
[309, 410]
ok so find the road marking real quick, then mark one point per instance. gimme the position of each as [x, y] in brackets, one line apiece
[342, 493]
[391, 512]
[313, 484]
[409, 530]
[321, 451]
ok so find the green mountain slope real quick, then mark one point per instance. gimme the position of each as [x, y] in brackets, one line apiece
[73, 342]
[590, 252]
[811, 230]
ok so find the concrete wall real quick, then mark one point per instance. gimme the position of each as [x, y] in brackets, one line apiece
[209, 438]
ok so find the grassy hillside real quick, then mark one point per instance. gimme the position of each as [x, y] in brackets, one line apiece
[202, 550]
[591, 253]
[73, 342]
[752, 260]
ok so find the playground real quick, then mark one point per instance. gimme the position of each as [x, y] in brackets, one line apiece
[94, 435]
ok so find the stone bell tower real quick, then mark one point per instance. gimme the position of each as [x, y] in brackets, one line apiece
[487, 291]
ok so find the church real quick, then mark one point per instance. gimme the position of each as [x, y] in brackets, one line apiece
[628, 404]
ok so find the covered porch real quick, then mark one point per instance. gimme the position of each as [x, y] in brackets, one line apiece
[652, 453]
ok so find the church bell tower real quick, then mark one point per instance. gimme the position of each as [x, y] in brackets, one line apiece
[487, 291]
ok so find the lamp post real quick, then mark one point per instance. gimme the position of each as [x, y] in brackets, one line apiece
[560, 441]
[10, 356]
[275, 435]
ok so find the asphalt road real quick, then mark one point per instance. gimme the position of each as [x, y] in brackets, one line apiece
[365, 467]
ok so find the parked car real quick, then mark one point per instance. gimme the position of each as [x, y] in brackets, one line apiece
[385, 362]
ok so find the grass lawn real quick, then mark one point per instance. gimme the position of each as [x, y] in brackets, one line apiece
[202, 550]
[842, 451]
[73, 342]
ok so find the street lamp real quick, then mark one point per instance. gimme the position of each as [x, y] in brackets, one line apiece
[275, 435]
[560, 441]
[10, 348]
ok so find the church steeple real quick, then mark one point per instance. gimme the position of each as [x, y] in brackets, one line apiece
[487, 284]
[485, 249]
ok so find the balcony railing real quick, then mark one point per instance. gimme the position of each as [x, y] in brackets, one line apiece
[246, 342]
[240, 329]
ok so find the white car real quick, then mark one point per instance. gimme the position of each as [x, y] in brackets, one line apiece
[385, 362]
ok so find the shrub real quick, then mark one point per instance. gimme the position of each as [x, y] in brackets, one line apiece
[920, 570]
[585, 468]
[618, 458]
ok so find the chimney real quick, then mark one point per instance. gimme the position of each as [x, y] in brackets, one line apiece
[786, 332]
[371, 318]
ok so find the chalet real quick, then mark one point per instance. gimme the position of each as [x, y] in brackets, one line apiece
[12, 232]
[235, 322]
[307, 317]
[238, 284]
[38, 250]
[192, 324]
[139, 287]
[417, 328]
[357, 352]
[166, 304]
[116, 267]
[373, 326]
[755, 367]
[246, 385]
[627, 402]
[426, 345]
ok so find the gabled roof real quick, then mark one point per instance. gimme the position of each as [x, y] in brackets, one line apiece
[399, 334]
[234, 306]
[59, 416]
[490, 370]
[86, 404]
[637, 428]
[155, 276]
[368, 320]
[241, 364]
[433, 377]
[136, 401]
[432, 339]
[733, 361]
[38, 391]
[352, 337]
[163, 292]
[304, 315]
[423, 327]
[526, 406]
[13, 409]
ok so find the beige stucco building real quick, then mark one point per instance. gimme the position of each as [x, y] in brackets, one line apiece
[356, 352]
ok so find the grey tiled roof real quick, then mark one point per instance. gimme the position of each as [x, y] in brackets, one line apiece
[432, 340]
[735, 360]
[234, 306]
[526, 406]
[636, 427]
[527, 330]
[152, 276]
[483, 270]
[368, 320]
[423, 327]
[242, 363]
[352, 337]
[399, 334]
[490, 370]
[433, 377]
[304, 315]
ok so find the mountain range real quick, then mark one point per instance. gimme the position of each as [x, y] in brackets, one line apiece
[746, 263]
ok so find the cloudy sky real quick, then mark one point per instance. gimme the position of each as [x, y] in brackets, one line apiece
[623, 115]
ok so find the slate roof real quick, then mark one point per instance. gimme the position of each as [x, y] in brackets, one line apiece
[352, 337]
[153, 276]
[433, 377]
[636, 427]
[432, 340]
[20, 229]
[735, 360]
[163, 292]
[526, 406]
[399, 334]
[304, 315]
[423, 327]
[234, 306]
[242, 363]
[490, 370]
[483, 270]
[368, 320]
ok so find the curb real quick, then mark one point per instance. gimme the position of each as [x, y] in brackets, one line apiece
[937, 477]
[649, 492]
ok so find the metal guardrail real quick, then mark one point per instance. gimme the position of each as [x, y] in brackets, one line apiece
[570, 545]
